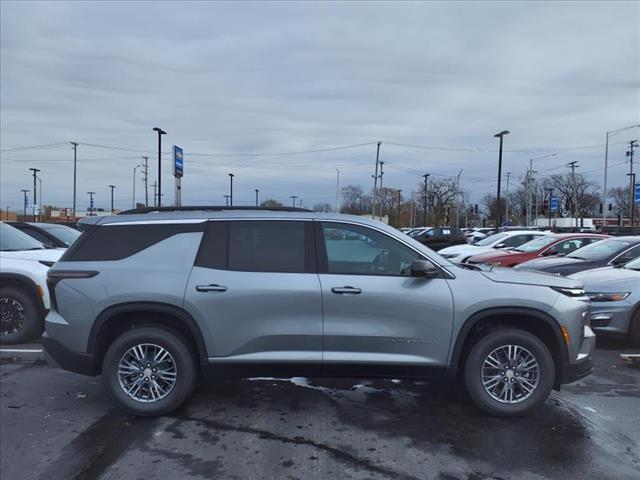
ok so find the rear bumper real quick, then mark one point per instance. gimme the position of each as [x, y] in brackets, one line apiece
[58, 355]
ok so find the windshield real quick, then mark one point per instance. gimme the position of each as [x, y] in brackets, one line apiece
[12, 240]
[418, 231]
[67, 235]
[535, 245]
[600, 250]
[485, 242]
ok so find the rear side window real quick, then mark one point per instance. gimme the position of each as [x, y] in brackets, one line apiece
[258, 246]
[115, 242]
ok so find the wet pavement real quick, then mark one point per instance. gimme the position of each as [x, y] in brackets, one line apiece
[58, 425]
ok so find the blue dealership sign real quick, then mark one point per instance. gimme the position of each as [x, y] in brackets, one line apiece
[637, 192]
[554, 204]
[178, 162]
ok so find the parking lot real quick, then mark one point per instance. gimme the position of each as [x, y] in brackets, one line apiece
[58, 425]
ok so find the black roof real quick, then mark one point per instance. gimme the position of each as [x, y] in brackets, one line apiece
[210, 208]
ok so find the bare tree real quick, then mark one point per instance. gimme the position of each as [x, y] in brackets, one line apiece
[322, 207]
[271, 203]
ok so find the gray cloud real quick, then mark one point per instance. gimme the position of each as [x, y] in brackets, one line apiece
[258, 77]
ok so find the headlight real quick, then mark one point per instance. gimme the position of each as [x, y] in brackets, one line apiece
[607, 297]
[570, 292]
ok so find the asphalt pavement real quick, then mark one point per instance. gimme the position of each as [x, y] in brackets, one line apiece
[59, 425]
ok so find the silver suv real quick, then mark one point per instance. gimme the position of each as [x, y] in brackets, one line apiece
[154, 299]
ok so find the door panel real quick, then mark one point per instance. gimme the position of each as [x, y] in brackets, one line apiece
[375, 312]
[255, 292]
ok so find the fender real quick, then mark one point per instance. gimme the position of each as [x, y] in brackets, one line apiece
[31, 286]
[177, 312]
[505, 311]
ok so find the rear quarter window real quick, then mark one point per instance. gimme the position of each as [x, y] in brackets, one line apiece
[116, 242]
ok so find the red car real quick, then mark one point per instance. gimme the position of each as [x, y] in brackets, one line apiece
[545, 246]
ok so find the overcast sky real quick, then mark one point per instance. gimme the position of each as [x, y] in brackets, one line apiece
[234, 78]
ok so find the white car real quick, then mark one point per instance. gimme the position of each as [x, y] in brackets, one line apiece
[24, 298]
[512, 239]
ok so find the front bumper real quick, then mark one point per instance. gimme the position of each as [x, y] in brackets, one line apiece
[611, 317]
[58, 355]
[583, 365]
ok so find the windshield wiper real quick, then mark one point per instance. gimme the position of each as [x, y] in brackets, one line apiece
[576, 257]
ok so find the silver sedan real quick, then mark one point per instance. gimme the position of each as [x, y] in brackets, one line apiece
[615, 299]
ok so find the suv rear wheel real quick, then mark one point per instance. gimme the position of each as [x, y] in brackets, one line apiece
[149, 371]
[509, 372]
[20, 319]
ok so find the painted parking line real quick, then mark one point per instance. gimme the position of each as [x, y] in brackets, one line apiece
[20, 350]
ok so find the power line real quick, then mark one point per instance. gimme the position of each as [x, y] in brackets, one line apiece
[33, 147]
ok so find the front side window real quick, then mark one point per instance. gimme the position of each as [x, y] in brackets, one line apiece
[363, 251]
[535, 245]
[568, 246]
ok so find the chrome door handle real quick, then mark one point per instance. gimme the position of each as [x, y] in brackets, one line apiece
[211, 288]
[351, 290]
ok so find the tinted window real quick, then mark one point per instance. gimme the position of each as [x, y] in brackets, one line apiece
[363, 251]
[213, 248]
[267, 246]
[41, 237]
[569, 246]
[115, 242]
[628, 255]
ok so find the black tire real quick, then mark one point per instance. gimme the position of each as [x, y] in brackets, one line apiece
[488, 344]
[185, 366]
[16, 304]
[634, 329]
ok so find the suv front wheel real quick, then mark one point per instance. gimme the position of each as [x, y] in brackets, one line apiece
[149, 371]
[509, 372]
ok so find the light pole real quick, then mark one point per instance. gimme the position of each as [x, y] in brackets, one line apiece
[257, 196]
[112, 187]
[134, 185]
[632, 178]
[26, 200]
[146, 181]
[606, 164]
[293, 199]
[35, 192]
[160, 133]
[74, 145]
[424, 200]
[499, 135]
[231, 175]
[40, 195]
[91, 194]
[399, 200]
[337, 190]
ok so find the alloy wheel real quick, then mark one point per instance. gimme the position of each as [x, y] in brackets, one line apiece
[12, 316]
[147, 372]
[510, 374]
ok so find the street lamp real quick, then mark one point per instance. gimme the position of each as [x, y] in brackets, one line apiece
[231, 175]
[35, 192]
[112, 187]
[134, 186]
[293, 200]
[499, 135]
[160, 133]
[257, 196]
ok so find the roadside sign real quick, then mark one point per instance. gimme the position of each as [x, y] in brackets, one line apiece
[554, 204]
[178, 162]
[637, 192]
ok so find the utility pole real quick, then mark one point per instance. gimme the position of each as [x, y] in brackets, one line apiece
[74, 145]
[337, 190]
[160, 133]
[506, 198]
[632, 146]
[381, 192]
[574, 192]
[231, 175]
[399, 200]
[26, 201]
[155, 194]
[146, 181]
[257, 196]
[499, 135]
[424, 199]
[91, 194]
[293, 198]
[458, 199]
[112, 187]
[550, 190]
[375, 183]
[35, 193]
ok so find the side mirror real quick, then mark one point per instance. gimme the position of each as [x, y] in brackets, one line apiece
[550, 252]
[423, 268]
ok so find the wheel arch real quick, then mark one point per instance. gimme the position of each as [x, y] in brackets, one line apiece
[8, 279]
[485, 320]
[130, 315]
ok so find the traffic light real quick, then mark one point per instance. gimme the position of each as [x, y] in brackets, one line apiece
[610, 206]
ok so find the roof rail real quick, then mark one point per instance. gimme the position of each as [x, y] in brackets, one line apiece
[209, 208]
